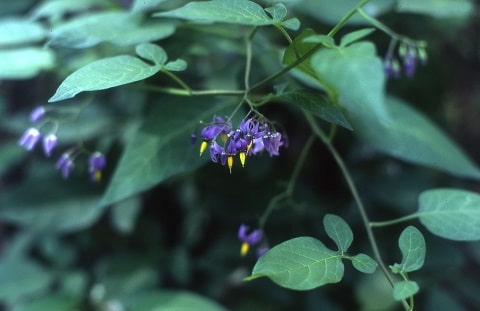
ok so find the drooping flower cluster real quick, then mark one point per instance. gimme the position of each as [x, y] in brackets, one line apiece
[409, 56]
[65, 163]
[253, 136]
[251, 239]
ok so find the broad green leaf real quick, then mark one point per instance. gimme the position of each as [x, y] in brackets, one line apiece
[364, 263]
[299, 48]
[437, 8]
[355, 36]
[160, 149]
[19, 31]
[410, 136]
[412, 246]
[145, 5]
[404, 289]
[316, 103]
[242, 12]
[24, 63]
[170, 300]
[339, 231]
[176, 65]
[103, 74]
[120, 28]
[451, 213]
[54, 9]
[152, 52]
[123, 215]
[302, 263]
[48, 303]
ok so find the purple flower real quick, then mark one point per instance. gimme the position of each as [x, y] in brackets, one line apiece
[391, 68]
[215, 151]
[29, 138]
[65, 165]
[250, 239]
[37, 114]
[96, 162]
[410, 62]
[49, 142]
[272, 143]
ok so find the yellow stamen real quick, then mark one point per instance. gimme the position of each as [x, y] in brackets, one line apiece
[249, 145]
[244, 249]
[230, 163]
[97, 175]
[203, 147]
[242, 158]
[223, 137]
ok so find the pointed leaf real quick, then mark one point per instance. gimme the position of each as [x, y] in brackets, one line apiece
[302, 263]
[451, 213]
[355, 36]
[103, 74]
[412, 246]
[339, 231]
[152, 52]
[404, 289]
[364, 263]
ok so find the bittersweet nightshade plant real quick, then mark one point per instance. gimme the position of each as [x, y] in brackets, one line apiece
[249, 239]
[29, 138]
[49, 142]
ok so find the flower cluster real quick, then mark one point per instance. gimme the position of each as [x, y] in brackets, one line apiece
[251, 239]
[409, 55]
[65, 163]
[252, 137]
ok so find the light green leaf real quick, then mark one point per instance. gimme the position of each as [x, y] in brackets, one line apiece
[302, 263]
[412, 246]
[124, 214]
[152, 52]
[160, 149]
[323, 39]
[18, 31]
[242, 12]
[316, 103]
[103, 74]
[339, 231]
[451, 213]
[176, 65]
[292, 23]
[437, 8]
[364, 263]
[355, 36]
[24, 63]
[404, 289]
[301, 47]
[412, 137]
[168, 301]
[277, 12]
[56, 8]
[145, 5]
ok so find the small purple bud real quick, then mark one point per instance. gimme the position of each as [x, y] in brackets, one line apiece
[37, 114]
[253, 238]
[29, 138]
[96, 163]
[65, 164]
[49, 142]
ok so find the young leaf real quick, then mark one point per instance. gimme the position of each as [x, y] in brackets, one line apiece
[339, 231]
[176, 65]
[451, 213]
[302, 263]
[355, 36]
[278, 11]
[103, 74]
[152, 52]
[412, 246]
[404, 289]
[364, 263]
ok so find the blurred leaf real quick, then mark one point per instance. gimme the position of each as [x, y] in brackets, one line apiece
[160, 149]
[10, 155]
[412, 246]
[451, 213]
[24, 63]
[120, 28]
[56, 8]
[152, 52]
[301, 47]
[410, 136]
[353, 36]
[170, 300]
[316, 103]
[339, 231]
[18, 31]
[176, 65]
[404, 289]
[364, 263]
[124, 214]
[145, 5]
[302, 263]
[437, 8]
[49, 303]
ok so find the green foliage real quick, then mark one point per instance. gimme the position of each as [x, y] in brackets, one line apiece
[20, 31]
[364, 263]
[23, 63]
[339, 231]
[412, 246]
[405, 289]
[438, 8]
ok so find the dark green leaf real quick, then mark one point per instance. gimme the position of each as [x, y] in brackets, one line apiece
[339, 231]
[49, 303]
[412, 246]
[364, 263]
[438, 8]
[404, 289]
[355, 36]
[451, 213]
[302, 263]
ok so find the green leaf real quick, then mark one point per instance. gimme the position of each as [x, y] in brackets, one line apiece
[318, 104]
[168, 301]
[410, 136]
[19, 31]
[451, 213]
[404, 289]
[242, 12]
[301, 47]
[176, 65]
[124, 214]
[364, 263]
[302, 263]
[355, 36]
[277, 12]
[145, 5]
[152, 52]
[412, 246]
[323, 39]
[339, 231]
[103, 74]
[24, 63]
[160, 149]
[48, 303]
[54, 9]
[437, 8]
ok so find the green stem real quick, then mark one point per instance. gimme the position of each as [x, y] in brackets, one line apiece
[353, 189]
[248, 61]
[178, 80]
[393, 221]
[182, 92]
